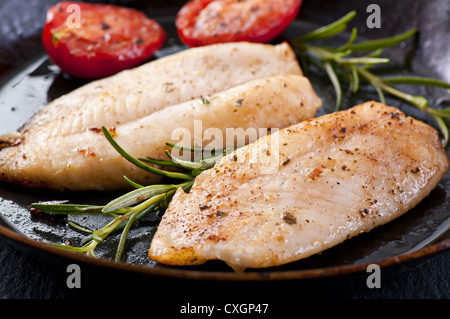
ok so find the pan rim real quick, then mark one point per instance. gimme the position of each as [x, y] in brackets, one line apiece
[301, 274]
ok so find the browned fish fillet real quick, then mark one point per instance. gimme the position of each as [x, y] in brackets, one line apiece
[336, 176]
[62, 147]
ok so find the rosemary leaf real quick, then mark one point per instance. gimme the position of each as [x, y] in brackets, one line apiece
[136, 196]
[141, 164]
[416, 80]
[335, 81]
[365, 60]
[440, 113]
[381, 43]
[328, 31]
[82, 249]
[68, 209]
[418, 101]
[120, 227]
[159, 162]
[185, 148]
[355, 80]
[443, 128]
[133, 184]
[304, 62]
[123, 237]
[185, 164]
[375, 53]
[339, 54]
[380, 93]
[79, 227]
[350, 41]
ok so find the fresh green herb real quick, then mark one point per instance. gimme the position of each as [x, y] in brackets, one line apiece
[342, 61]
[141, 164]
[129, 208]
[204, 100]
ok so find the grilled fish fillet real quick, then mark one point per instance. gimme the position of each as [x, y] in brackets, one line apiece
[60, 148]
[86, 161]
[336, 176]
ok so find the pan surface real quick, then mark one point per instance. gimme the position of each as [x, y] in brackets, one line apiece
[29, 81]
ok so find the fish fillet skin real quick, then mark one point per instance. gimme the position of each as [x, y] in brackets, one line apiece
[337, 176]
[59, 148]
[86, 160]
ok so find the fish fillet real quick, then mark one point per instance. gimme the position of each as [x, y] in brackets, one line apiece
[86, 160]
[335, 177]
[60, 147]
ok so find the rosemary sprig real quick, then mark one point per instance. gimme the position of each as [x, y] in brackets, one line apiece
[129, 208]
[141, 164]
[342, 61]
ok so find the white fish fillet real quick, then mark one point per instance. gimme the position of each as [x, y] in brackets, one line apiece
[338, 175]
[60, 147]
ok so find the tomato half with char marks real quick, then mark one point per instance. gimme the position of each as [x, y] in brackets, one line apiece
[91, 41]
[203, 22]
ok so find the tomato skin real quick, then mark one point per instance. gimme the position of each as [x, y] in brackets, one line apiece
[203, 22]
[107, 40]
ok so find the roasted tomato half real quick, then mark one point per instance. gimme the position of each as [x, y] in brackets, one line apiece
[91, 41]
[202, 22]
